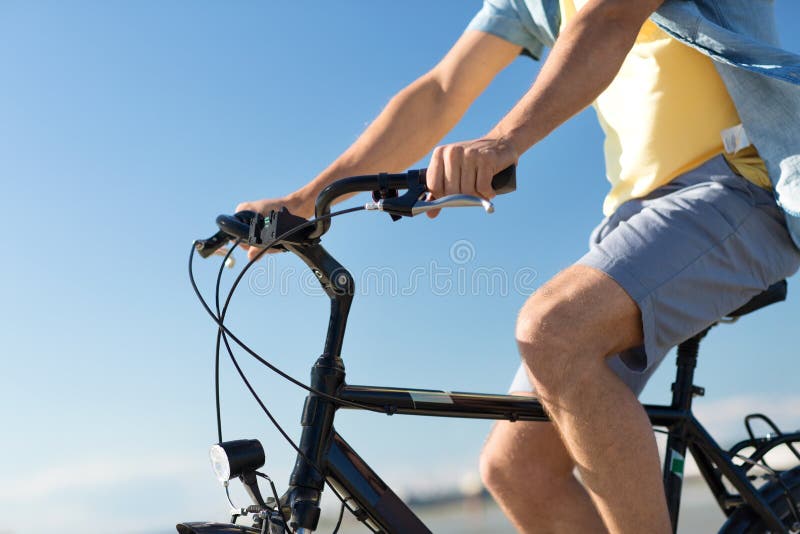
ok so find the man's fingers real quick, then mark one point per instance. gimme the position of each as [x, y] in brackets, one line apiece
[469, 171]
[452, 169]
[435, 174]
[484, 182]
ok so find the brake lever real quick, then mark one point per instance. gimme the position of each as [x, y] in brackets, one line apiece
[212, 245]
[215, 246]
[450, 201]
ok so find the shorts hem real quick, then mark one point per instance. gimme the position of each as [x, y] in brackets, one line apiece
[597, 259]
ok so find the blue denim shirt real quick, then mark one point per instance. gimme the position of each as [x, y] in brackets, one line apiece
[738, 35]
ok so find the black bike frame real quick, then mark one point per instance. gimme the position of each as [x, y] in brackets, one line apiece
[381, 509]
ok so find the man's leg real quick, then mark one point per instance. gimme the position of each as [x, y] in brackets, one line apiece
[699, 247]
[530, 474]
[565, 332]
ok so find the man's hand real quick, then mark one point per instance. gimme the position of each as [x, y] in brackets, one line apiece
[296, 204]
[468, 167]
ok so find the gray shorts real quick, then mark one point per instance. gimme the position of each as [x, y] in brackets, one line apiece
[689, 253]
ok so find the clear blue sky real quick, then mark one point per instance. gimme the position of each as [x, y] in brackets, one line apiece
[126, 127]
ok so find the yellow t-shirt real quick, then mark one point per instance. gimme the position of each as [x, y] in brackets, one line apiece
[663, 115]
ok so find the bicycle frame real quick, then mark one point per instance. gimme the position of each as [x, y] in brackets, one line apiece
[324, 456]
[382, 510]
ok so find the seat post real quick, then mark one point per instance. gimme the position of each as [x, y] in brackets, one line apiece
[683, 389]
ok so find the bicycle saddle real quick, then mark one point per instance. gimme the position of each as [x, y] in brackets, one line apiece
[774, 293]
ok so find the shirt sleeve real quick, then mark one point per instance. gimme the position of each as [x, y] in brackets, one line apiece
[503, 19]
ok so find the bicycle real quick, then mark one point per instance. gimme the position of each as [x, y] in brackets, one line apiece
[324, 457]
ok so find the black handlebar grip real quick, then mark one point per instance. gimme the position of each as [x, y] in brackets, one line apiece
[237, 225]
[503, 182]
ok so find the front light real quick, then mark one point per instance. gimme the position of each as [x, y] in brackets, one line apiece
[219, 463]
[233, 458]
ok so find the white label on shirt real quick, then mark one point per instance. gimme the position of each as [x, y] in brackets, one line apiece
[735, 139]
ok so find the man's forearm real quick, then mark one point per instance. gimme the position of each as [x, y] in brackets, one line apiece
[583, 62]
[410, 125]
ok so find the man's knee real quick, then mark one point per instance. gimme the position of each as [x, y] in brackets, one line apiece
[497, 472]
[546, 331]
[572, 323]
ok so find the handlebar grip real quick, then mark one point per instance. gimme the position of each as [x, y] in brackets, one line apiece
[503, 182]
[237, 225]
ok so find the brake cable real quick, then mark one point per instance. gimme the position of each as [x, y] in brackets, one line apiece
[219, 336]
[220, 320]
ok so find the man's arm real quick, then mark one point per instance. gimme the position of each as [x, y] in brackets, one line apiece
[414, 120]
[421, 114]
[585, 59]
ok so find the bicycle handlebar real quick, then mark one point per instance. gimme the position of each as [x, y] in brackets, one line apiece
[384, 185]
[414, 181]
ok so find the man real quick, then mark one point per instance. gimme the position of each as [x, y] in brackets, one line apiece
[692, 230]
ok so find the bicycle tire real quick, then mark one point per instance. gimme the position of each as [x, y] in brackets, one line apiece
[745, 520]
